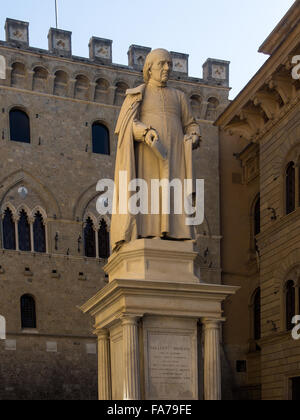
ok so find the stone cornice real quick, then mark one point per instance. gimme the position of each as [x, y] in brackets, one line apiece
[188, 300]
[287, 23]
[269, 95]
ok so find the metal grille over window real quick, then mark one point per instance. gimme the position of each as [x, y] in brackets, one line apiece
[19, 126]
[100, 139]
[28, 314]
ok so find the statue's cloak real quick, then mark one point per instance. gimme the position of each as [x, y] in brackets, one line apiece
[123, 226]
[168, 111]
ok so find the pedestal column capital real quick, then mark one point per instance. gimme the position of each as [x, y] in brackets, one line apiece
[130, 319]
[212, 323]
[101, 333]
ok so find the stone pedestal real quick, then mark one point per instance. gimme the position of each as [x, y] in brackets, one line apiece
[150, 312]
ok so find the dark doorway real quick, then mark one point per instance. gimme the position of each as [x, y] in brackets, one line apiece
[295, 389]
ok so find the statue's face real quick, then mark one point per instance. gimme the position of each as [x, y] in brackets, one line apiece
[161, 67]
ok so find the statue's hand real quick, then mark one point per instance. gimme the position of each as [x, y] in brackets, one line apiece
[151, 136]
[196, 141]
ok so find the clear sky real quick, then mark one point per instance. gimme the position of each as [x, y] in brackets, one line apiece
[229, 30]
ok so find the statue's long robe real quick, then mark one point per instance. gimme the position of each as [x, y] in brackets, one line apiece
[167, 111]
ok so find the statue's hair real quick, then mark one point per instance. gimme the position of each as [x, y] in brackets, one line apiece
[149, 61]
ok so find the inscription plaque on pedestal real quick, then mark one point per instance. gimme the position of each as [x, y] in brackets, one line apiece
[171, 365]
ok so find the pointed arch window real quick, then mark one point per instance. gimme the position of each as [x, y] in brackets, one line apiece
[28, 312]
[24, 232]
[89, 239]
[103, 240]
[100, 136]
[9, 230]
[257, 315]
[39, 233]
[290, 184]
[19, 126]
[290, 306]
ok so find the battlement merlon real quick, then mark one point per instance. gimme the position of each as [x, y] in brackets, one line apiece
[215, 72]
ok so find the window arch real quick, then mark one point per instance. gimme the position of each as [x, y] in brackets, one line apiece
[9, 230]
[61, 83]
[103, 240]
[18, 75]
[290, 188]
[89, 239]
[40, 77]
[212, 105]
[24, 232]
[196, 101]
[100, 138]
[39, 233]
[82, 87]
[121, 89]
[101, 91]
[290, 304]
[28, 312]
[257, 315]
[19, 126]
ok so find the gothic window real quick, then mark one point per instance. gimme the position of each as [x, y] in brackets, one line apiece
[60, 83]
[257, 315]
[19, 126]
[289, 304]
[39, 233]
[89, 239]
[9, 232]
[103, 239]
[24, 232]
[290, 188]
[100, 136]
[28, 313]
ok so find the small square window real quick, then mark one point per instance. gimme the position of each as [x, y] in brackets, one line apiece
[241, 366]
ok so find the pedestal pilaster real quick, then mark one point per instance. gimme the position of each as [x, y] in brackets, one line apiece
[104, 374]
[131, 358]
[212, 360]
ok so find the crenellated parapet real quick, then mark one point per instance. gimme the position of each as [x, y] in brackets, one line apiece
[215, 72]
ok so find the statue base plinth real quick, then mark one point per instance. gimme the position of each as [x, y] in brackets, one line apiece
[155, 260]
[148, 322]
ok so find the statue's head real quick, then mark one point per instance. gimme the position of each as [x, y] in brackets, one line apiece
[158, 66]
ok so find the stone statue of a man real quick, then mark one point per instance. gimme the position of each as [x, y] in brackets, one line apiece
[153, 113]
